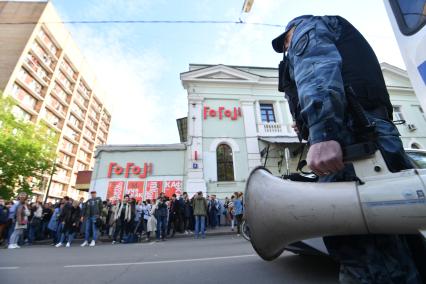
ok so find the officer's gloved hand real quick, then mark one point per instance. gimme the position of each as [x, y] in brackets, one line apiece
[325, 158]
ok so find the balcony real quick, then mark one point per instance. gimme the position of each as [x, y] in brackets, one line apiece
[83, 90]
[86, 147]
[64, 83]
[81, 102]
[74, 127]
[56, 107]
[67, 152]
[25, 98]
[71, 134]
[43, 57]
[30, 84]
[275, 129]
[62, 179]
[36, 70]
[44, 40]
[69, 72]
[104, 127]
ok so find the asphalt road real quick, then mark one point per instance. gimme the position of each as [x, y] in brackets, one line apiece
[219, 259]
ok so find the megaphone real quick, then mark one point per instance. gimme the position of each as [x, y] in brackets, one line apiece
[280, 212]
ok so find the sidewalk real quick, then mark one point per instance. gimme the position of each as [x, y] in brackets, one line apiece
[219, 231]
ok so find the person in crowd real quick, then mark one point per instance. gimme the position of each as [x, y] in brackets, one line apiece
[238, 210]
[174, 214]
[123, 217]
[47, 214]
[130, 224]
[109, 217]
[54, 223]
[12, 218]
[225, 211]
[104, 215]
[231, 212]
[181, 223]
[161, 217]
[71, 220]
[212, 210]
[149, 216]
[60, 227]
[22, 213]
[4, 219]
[139, 220]
[187, 213]
[35, 224]
[219, 208]
[92, 210]
[82, 223]
[111, 220]
[199, 203]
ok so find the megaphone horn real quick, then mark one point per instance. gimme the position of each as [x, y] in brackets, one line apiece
[280, 212]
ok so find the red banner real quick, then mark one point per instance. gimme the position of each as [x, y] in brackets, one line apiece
[135, 190]
[115, 190]
[173, 187]
[153, 189]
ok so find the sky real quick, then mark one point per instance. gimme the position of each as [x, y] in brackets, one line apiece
[138, 65]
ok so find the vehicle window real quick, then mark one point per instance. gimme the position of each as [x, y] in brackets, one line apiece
[410, 15]
[419, 159]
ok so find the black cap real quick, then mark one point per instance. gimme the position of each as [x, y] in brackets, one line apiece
[278, 42]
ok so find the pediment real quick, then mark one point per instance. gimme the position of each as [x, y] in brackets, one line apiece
[219, 73]
[222, 75]
[394, 76]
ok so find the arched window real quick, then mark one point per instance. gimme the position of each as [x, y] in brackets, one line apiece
[225, 164]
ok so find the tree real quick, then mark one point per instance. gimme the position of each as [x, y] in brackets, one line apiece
[27, 151]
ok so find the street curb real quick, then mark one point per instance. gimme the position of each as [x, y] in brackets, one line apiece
[177, 236]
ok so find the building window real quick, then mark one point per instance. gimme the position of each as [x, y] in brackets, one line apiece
[267, 112]
[225, 164]
[19, 113]
[397, 113]
[410, 15]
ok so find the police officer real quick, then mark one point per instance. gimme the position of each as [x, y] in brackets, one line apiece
[322, 57]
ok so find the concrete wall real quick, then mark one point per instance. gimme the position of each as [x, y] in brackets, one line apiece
[13, 36]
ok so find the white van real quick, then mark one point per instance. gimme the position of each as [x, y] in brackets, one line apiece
[408, 19]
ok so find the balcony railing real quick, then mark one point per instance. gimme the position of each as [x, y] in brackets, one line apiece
[275, 129]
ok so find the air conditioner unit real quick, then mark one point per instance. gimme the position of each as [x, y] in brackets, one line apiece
[411, 127]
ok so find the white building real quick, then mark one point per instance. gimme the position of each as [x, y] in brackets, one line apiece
[236, 121]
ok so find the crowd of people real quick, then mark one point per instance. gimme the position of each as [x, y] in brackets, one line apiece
[121, 221]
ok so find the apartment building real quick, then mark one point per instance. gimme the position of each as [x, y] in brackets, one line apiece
[43, 69]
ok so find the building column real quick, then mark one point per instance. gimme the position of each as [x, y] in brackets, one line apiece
[252, 143]
[194, 155]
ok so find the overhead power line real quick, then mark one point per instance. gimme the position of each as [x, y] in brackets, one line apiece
[146, 22]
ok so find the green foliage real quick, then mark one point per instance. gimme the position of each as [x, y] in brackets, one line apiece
[27, 151]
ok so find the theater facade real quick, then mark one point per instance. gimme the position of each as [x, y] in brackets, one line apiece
[237, 120]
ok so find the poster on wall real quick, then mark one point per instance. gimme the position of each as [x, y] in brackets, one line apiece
[153, 189]
[173, 187]
[135, 190]
[115, 190]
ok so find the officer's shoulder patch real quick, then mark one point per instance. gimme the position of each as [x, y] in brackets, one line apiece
[301, 44]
